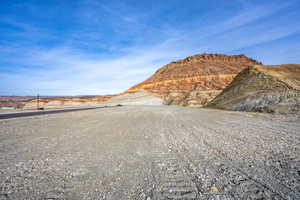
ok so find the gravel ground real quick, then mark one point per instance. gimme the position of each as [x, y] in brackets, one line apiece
[150, 152]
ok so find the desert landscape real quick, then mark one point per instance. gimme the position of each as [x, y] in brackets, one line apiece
[150, 100]
[166, 138]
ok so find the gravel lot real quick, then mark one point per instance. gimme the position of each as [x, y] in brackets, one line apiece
[150, 152]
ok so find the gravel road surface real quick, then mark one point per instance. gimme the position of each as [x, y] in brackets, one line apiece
[150, 152]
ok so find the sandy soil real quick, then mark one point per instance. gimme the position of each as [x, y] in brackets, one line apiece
[150, 152]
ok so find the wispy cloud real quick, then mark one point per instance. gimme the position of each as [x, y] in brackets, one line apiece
[82, 73]
[85, 62]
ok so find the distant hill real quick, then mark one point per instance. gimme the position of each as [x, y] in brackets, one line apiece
[263, 88]
[15, 98]
[61, 102]
[195, 80]
[30, 102]
[14, 101]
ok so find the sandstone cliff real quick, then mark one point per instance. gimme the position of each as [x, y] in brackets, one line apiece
[263, 88]
[195, 80]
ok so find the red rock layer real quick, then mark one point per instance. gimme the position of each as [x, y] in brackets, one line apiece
[195, 80]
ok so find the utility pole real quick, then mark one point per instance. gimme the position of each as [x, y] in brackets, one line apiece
[37, 101]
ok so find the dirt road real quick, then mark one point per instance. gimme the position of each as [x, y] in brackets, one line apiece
[158, 152]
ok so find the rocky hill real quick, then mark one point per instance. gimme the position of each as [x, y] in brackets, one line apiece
[195, 80]
[263, 88]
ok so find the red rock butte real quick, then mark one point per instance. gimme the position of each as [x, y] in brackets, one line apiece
[195, 80]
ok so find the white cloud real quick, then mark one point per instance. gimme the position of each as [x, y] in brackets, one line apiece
[70, 70]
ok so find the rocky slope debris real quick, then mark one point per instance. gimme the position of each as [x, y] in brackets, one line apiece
[150, 152]
[195, 80]
[263, 88]
[137, 98]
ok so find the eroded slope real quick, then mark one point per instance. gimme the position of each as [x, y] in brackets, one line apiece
[263, 88]
[195, 80]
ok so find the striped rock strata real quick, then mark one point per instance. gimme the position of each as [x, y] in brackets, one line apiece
[195, 80]
[264, 89]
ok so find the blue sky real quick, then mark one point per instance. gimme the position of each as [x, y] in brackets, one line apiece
[80, 47]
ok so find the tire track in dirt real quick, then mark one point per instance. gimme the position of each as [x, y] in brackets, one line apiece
[292, 174]
[252, 176]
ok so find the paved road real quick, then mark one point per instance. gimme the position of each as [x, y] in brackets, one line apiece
[162, 152]
[42, 112]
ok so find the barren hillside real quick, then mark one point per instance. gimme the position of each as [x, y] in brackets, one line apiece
[195, 80]
[263, 88]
